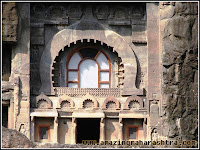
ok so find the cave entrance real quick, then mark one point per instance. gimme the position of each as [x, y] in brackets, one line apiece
[88, 129]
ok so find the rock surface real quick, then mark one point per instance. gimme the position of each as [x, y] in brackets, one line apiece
[9, 22]
[14, 139]
[179, 37]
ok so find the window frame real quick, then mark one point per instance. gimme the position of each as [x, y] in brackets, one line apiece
[127, 131]
[82, 59]
[39, 131]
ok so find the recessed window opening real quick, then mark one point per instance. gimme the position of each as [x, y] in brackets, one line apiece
[88, 67]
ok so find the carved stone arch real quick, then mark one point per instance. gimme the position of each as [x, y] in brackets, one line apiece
[131, 99]
[65, 99]
[110, 100]
[42, 98]
[89, 98]
[102, 11]
[115, 13]
[51, 14]
[67, 36]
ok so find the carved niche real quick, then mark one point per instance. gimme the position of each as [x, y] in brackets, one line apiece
[75, 11]
[133, 102]
[119, 16]
[56, 14]
[154, 112]
[89, 101]
[42, 101]
[23, 127]
[38, 9]
[88, 104]
[111, 103]
[136, 12]
[154, 134]
[65, 102]
[102, 12]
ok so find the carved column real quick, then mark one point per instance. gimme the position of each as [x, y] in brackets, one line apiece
[73, 131]
[55, 138]
[145, 128]
[32, 128]
[120, 136]
[11, 114]
[102, 129]
[16, 100]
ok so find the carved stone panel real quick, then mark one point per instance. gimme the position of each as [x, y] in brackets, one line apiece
[111, 103]
[56, 14]
[75, 11]
[102, 12]
[119, 16]
[65, 102]
[137, 11]
[43, 101]
[154, 113]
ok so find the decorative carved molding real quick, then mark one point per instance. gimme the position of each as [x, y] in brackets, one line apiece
[133, 102]
[99, 92]
[42, 101]
[102, 12]
[111, 103]
[65, 102]
[88, 98]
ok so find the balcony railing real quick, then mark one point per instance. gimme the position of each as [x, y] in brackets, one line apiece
[99, 92]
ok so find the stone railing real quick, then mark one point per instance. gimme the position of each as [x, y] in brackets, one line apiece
[99, 92]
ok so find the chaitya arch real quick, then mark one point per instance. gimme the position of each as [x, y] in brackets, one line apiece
[67, 36]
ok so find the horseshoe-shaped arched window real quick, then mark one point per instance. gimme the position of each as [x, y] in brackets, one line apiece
[88, 67]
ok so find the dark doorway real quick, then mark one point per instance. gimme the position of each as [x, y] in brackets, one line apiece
[5, 116]
[88, 129]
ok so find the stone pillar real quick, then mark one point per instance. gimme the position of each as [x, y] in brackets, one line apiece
[120, 136]
[32, 129]
[154, 72]
[102, 129]
[11, 115]
[154, 69]
[145, 128]
[73, 131]
[55, 137]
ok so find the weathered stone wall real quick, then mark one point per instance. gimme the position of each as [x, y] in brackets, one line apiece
[20, 71]
[179, 39]
[9, 22]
